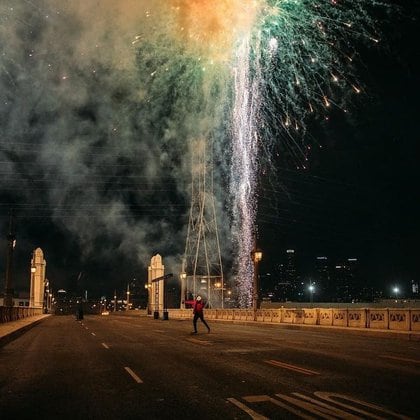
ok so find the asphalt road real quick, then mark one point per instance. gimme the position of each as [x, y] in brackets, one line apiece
[120, 367]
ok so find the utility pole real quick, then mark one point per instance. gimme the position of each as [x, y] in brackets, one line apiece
[11, 243]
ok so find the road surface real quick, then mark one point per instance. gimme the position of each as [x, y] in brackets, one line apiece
[123, 367]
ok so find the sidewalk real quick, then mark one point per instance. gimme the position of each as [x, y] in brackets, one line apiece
[11, 330]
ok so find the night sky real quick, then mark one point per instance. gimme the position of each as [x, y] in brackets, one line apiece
[359, 196]
[100, 188]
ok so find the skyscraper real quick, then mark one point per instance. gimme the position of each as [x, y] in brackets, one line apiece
[323, 279]
[346, 281]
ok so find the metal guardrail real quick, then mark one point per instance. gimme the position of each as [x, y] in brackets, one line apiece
[14, 313]
[369, 318]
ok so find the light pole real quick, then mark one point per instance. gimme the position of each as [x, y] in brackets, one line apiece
[256, 256]
[11, 244]
[311, 292]
[148, 287]
[128, 297]
[396, 290]
[183, 278]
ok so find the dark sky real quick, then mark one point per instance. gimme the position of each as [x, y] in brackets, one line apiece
[359, 196]
[100, 189]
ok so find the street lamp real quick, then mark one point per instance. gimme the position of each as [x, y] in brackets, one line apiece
[311, 292]
[256, 256]
[396, 290]
[128, 297]
[183, 278]
[148, 287]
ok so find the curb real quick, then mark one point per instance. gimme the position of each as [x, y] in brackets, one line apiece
[7, 338]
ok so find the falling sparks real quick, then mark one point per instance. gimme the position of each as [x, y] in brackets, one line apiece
[287, 59]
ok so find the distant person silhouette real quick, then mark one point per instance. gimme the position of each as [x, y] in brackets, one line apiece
[198, 312]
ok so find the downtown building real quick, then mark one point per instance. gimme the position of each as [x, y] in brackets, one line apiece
[288, 285]
[345, 285]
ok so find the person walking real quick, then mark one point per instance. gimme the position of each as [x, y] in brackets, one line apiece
[198, 312]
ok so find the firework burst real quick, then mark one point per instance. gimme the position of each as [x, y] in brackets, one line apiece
[263, 64]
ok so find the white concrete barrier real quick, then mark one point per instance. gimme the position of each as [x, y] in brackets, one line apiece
[415, 319]
[399, 319]
[276, 315]
[340, 317]
[325, 316]
[356, 318]
[299, 316]
[288, 316]
[310, 316]
[378, 319]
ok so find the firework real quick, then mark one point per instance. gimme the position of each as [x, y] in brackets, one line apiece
[264, 64]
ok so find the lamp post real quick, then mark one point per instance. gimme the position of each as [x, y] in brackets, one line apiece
[148, 287]
[396, 290]
[32, 296]
[311, 292]
[256, 255]
[183, 278]
[11, 244]
[128, 297]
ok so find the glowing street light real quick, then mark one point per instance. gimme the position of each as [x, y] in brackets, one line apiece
[396, 290]
[311, 289]
[256, 256]
[183, 278]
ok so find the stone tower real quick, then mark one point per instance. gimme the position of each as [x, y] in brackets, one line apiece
[156, 289]
[38, 265]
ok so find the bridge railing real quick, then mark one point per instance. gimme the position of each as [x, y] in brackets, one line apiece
[371, 318]
[13, 313]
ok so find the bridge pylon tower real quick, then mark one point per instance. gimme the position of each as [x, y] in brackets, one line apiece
[202, 270]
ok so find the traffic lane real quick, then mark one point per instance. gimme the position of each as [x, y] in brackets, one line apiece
[174, 384]
[58, 369]
[245, 341]
[238, 374]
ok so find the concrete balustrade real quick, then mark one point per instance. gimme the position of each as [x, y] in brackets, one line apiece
[14, 313]
[311, 316]
[375, 319]
[325, 316]
[356, 318]
[378, 318]
[415, 320]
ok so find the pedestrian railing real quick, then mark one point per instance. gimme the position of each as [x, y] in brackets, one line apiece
[13, 313]
[386, 318]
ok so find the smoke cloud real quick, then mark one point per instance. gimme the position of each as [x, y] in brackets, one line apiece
[96, 111]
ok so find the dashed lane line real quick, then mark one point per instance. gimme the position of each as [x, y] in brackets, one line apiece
[402, 359]
[93, 334]
[105, 345]
[197, 341]
[292, 367]
[133, 375]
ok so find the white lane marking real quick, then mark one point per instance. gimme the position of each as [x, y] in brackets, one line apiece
[332, 398]
[93, 334]
[265, 398]
[402, 359]
[254, 415]
[291, 367]
[133, 375]
[105, 345]
[197, 341]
